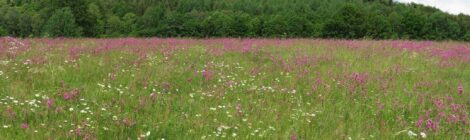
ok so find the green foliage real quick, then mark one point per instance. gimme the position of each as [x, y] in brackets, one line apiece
[439, 26]
[95, 16]
[353, 19]
[466, 37]
[347, 23]
[218, 24]
[62, 24]
[148, 25]
[129, 20]
[3, 32]
[115, 26]
[413, 24]
[378, 27]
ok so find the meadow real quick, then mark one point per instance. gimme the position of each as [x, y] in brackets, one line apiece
[224, 88]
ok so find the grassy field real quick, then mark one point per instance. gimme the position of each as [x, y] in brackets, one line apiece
[233, 89]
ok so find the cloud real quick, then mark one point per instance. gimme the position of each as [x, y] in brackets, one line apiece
[450, 6]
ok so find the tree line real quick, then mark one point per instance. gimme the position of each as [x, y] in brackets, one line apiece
[350, 19]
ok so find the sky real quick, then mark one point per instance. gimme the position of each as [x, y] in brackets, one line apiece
[450, 6]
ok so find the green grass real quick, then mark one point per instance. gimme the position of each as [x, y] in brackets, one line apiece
[275, 100]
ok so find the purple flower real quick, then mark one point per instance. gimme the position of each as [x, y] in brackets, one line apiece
[67, 96]
[50, 103]
[460, 89]
[293, 136]
[419, 123]
[24, 126]
[432, 125]
[207, 74]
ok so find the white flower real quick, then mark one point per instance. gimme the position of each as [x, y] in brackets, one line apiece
[412, 134]
[147, 134]
[1, 72]
[423, 135]
[70, 109]
[213, 108]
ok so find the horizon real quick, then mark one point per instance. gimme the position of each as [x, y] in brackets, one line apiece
[450, 6]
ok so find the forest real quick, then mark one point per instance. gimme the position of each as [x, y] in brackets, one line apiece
[346, 19]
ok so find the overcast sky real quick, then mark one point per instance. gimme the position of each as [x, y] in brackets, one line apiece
[450, 6]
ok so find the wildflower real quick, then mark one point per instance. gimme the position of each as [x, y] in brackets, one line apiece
[24, 126]
[432, 125]
[238, 107]
[460, 89]
[67, 96]
[412, 134]
[70, 109]
[419, 123]
[293, 136]
[128, 122]
[153, 96]
[11, 113]
[439, 104]
[50, 103]
[147, 134]
[423, 135]
[207, 74]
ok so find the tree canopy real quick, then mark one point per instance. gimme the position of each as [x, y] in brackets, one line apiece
[351, 19]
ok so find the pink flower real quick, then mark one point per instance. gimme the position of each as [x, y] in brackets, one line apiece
[67, 96]
[75, 93]
[24, 126]
[50, 103]
[207, 74]
[432, 125]
[238, 107]
[153, 96]
[419, 123]
[439, 104]
[460, 89]
[452, 118]
[293, 136]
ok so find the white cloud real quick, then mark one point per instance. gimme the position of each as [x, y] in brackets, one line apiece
[450, 6]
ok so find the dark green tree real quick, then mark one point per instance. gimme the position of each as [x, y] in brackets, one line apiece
[148, 24]
[95, 16]
[3, 32]
[378, 27]
[114, 26]
[218, 24]
[412, 25]
[349, 22]
[62, 24]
